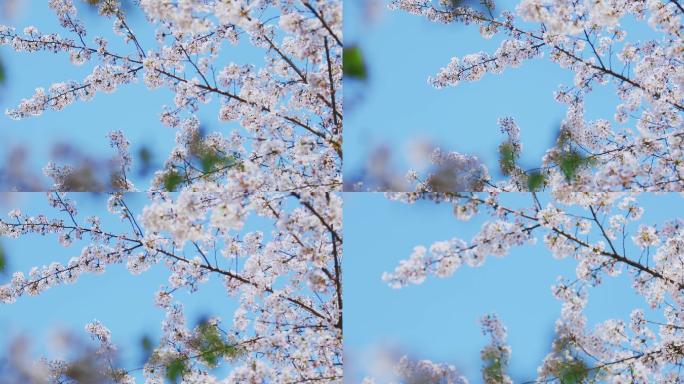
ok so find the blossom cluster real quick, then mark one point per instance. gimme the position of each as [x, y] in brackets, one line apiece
[424, 371]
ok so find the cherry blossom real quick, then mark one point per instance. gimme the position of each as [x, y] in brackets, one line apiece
[288, 109]
[287, 283]
[605, 234]
[637, 146]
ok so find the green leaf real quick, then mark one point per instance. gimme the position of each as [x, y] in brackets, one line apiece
[2, 73]
[535, 181]
[175, 369]
[353, 63]
[573, 372]
[212, 161]
[567, 367]
[212, 346]
[171, 180]
[494, 368]
[3, 259]
[508, 155]
[571, 162]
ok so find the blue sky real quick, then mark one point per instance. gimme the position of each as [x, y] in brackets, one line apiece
[438, 319]
[397, 105]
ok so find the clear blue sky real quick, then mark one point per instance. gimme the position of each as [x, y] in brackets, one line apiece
[398, 105]
[438, 319]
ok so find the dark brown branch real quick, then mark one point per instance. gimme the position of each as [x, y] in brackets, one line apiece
[325, 24]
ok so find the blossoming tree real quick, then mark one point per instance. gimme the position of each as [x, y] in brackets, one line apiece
[638, 146]
[288, 324]
[607, 236]
[289, 108]
[279, 160]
